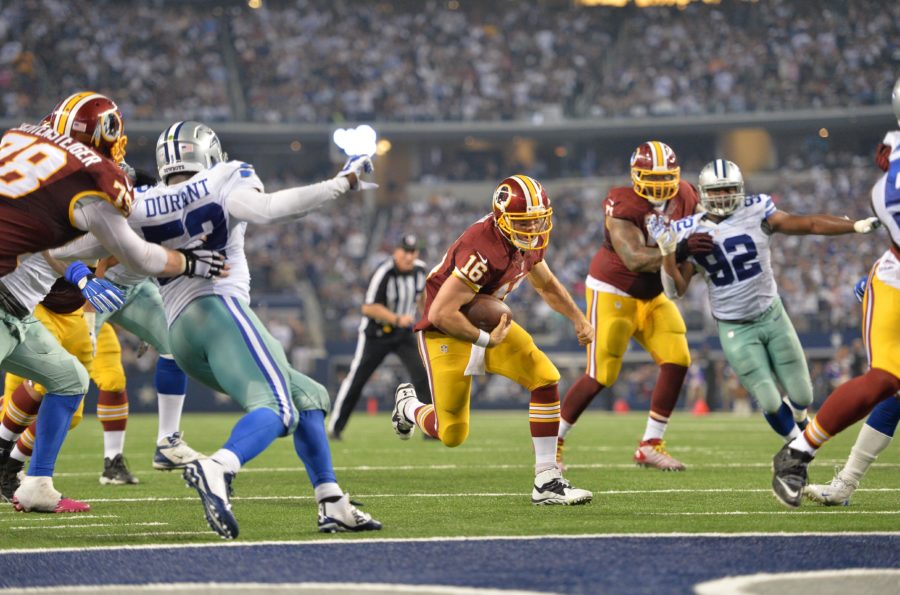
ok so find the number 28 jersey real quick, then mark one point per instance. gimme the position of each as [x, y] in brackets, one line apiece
[738, 272]
[194, 213]
[483, 259]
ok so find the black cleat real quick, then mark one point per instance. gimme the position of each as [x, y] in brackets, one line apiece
[789, 475]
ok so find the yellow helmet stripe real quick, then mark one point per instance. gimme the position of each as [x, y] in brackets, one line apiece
[659, 155]
[63, 124]
[530, 188]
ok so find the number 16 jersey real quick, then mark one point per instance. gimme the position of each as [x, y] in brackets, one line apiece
[738, 272]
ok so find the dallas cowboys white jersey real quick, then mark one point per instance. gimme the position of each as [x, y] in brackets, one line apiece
[886, 204]
[739, 270]
[181, 215]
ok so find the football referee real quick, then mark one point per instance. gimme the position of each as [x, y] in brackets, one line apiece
[389, 313]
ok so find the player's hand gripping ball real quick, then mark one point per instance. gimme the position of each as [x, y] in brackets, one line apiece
[484, 311]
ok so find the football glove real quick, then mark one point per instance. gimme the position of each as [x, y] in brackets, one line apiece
[103, 295]
[859, 290]
[358, 165]
[867, 225]
[662, 234]
[696, 244]
[200, 262]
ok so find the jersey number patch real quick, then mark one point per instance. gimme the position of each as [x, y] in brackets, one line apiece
[743, 264]
[24, 165]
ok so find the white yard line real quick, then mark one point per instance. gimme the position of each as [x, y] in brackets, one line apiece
[78, 526]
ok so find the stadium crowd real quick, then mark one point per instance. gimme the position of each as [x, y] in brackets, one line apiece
[425, 61]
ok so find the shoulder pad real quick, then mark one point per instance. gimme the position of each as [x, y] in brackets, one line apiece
[114, 185]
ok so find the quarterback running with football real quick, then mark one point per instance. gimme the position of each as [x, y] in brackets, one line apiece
[214, 334]
[625, 298]
[851, 401]
[493, 256]
[59, 179]
[757, 336]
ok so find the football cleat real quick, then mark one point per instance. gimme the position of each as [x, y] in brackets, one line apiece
[551, 488]
[653, 453]
[115, 472]
[836, 493]
[789, 475]
[9, 478]
[172, 452]
[560, 444]
[213, 485]
[37, 494]
[342, 515]
[403, 426]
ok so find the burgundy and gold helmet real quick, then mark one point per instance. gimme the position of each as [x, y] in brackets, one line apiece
[523, 213]
[655, 173]
[93, 119]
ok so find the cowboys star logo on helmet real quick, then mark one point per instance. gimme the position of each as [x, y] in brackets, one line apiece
[721, 187]
[522, 212]
[655, 172]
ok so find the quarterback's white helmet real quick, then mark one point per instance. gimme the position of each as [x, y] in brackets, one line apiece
[717, 175]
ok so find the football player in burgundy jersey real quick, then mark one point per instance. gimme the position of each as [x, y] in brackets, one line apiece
[625, 298]
[59, 179]
[493, 256]
[851, 401]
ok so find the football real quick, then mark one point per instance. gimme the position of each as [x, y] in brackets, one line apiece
[484, 311]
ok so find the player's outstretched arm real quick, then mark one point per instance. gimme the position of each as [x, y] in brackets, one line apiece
[824, 225]
[444, 314]
[246, 204]
[629, 244]
[558, 297]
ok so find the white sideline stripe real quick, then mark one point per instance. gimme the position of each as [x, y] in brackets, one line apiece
[744, 585]
[378, 468]
[73, 517]
[266, 587]
[32, 527]
[456, 538]
[470, 495]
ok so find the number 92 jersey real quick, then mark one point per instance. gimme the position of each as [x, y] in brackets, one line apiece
[483, 259]
[886, 192]
[194, 213]
[738, 272]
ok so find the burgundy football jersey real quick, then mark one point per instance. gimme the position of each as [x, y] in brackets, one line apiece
[623, 203]
[42, 174]
[485, 261]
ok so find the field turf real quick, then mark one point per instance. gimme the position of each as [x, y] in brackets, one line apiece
[420, 488]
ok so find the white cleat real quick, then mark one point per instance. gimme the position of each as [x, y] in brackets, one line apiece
[213, 485]
[403, 426]
[37, 494]
[344, 516]
[172, 452]
[836, 493]
[551, 488]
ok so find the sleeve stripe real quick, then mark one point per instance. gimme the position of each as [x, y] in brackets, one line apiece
[472, 286]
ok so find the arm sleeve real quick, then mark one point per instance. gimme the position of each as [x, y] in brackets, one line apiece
[87, 247]
[111, 229]
[248, 205]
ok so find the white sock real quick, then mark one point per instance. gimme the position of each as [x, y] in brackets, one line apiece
[565, 427]
[866, 449]
[169, 414]
[328, 490]
[655, 429]
[18, 455]
[795, 431]
[227, 459]
[113, 443]
[800, 443]
[544, 452]
[410, 408]
[7, 434]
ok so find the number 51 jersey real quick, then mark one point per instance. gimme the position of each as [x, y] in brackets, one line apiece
[738, 272]
[194, 213]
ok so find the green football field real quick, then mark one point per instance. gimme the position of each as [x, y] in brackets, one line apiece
[420, 488]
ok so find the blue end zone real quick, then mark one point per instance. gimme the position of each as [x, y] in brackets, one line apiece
[575, 565]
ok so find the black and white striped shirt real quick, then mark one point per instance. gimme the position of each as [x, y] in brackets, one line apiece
[398, 292]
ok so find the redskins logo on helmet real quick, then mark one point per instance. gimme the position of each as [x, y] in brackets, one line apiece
[655, 173]
[522, 212]
[93, 119]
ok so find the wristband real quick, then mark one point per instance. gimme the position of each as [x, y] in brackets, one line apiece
[483, 340]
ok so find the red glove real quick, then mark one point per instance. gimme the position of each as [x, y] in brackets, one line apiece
[883, 156]
[696, 244]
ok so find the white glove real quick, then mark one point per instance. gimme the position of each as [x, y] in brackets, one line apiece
[867, 225]
[662, 234]
[359, 165]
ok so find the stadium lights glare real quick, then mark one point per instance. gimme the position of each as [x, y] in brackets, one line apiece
[356, 141]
